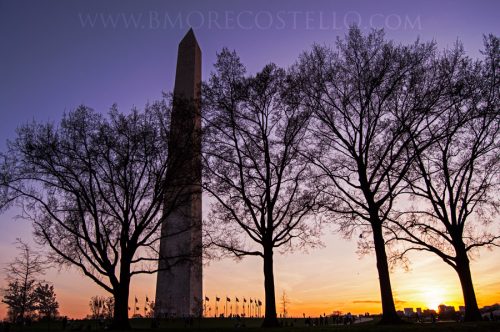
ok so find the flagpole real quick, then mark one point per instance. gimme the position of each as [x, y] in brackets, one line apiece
[205, 305]
[217, 299]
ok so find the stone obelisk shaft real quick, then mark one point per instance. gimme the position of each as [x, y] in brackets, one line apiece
[179, 281]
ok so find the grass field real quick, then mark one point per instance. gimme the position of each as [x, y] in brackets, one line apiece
[253, 325]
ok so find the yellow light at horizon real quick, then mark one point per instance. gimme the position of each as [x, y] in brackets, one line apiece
[433, 297]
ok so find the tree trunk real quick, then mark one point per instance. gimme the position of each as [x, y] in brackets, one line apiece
[463, 270]
[389, 315]
[121, 294]
[270, 319]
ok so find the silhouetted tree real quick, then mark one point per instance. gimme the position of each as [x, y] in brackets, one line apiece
[150, 309]
[46, 302]
[366, 97]
[94, 188]
[253, 168]
[456, 180]
[22, 277]
[285, 301]
[20, 300]
[101, 307]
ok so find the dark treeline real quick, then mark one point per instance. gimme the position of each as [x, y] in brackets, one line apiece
[340, 138]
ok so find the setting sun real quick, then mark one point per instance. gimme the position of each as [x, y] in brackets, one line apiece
[433, 297]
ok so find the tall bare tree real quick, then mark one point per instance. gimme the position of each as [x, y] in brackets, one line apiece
[253, 167]
[94, 188]
[456, 181]
[366, 97]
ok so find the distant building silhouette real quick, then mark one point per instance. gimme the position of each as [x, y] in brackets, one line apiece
[443, 308]
[408, 312]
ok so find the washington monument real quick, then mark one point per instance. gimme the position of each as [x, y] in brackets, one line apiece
[179, 281]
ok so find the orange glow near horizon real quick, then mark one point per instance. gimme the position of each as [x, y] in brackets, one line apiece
[319, 282]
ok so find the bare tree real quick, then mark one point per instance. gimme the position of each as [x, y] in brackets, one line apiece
[253, 168]
[94, 188]
[456, 181]
[22, 276]
[101, 307]
[366, 97]
[285, 301]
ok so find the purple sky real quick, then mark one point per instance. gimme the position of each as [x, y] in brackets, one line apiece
[56, 55]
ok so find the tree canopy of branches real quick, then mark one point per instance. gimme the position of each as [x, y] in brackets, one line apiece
[253, 168]
[94, 188]
[456, 181]
[368, 98]
[22, 276]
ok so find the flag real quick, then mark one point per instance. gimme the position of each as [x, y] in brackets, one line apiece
[206, 298]
[217, 299]
[237, 300]
[228, 299]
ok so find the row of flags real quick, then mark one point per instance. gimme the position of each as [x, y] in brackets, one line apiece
[217, 299]
[207, 299]
[252, 303]
[136, 308]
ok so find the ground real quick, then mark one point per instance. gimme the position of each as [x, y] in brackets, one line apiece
[252, 325]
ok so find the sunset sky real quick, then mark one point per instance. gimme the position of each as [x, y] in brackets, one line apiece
[56, 55]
